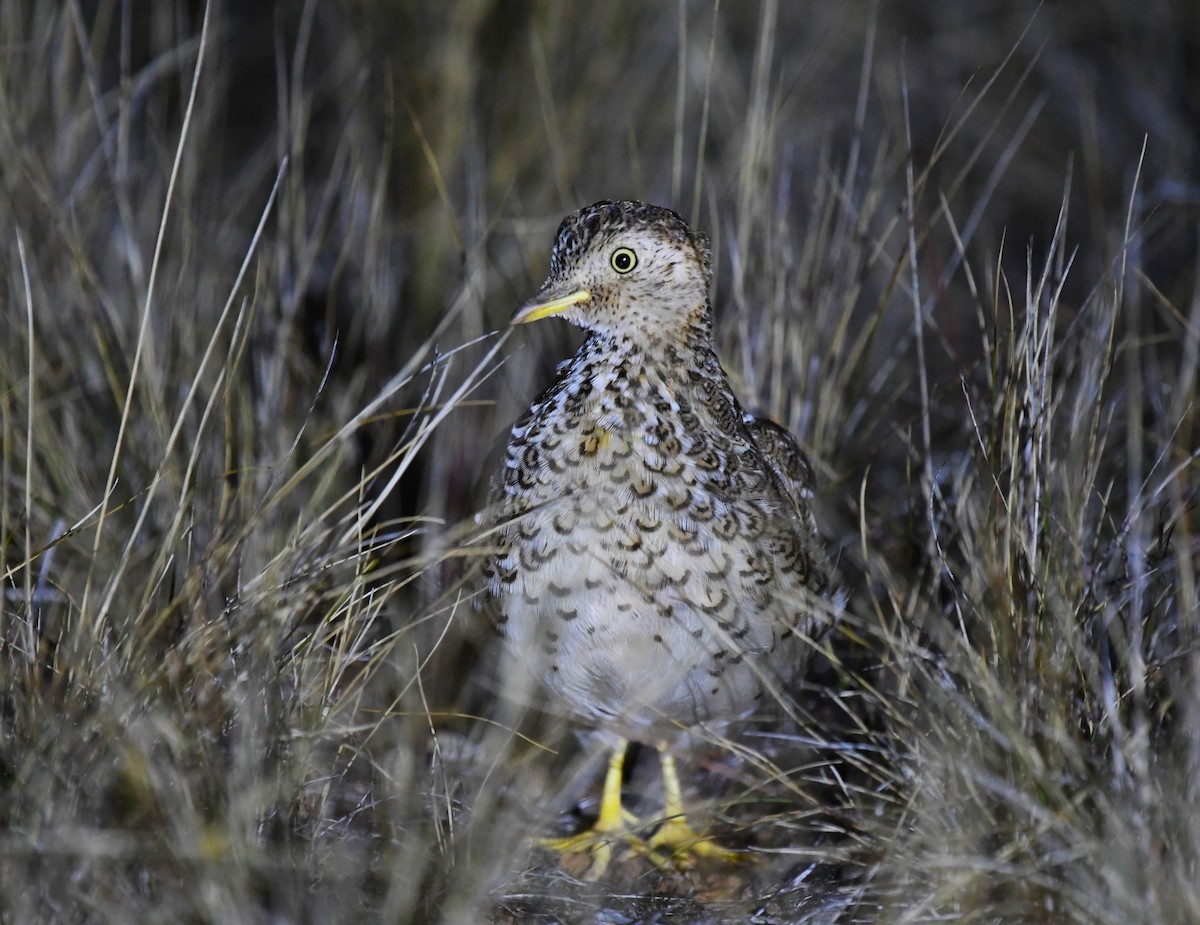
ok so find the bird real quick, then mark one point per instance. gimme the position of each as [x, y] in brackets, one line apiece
[654, 564]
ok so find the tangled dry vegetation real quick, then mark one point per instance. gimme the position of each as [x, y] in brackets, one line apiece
[257, 265]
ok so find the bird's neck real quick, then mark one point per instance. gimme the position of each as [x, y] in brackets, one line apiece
[656, 344]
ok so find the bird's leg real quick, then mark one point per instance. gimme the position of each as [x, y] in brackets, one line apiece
[676, 836]
[613, 823]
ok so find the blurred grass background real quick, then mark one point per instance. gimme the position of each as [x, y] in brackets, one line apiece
[255, 259]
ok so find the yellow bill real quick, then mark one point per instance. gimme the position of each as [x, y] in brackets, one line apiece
[538, 309]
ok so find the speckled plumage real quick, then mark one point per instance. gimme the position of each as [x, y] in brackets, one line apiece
[655, 557]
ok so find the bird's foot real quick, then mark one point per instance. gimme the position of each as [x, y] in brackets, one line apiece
[598, 844]
[677, 844]
[673, 847]
[614, 826]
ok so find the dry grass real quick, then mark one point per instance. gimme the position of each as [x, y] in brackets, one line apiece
[257, 267]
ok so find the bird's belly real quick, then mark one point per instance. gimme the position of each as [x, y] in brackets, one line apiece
[633, 631]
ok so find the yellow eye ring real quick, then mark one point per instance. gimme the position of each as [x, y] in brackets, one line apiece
[623, 260]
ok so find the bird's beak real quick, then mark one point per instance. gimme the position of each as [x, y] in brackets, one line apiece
[547, 303]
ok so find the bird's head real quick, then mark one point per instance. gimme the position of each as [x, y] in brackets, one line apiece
[625, 268]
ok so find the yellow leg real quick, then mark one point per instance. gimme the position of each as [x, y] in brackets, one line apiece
[675, 835]
[613, 823]
[678, 841]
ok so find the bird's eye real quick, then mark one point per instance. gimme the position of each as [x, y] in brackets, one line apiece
[623, 260]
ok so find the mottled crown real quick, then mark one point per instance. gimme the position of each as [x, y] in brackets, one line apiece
[608, 217]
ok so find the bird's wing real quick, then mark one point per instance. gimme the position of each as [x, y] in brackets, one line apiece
[794, 473]
[784, 456]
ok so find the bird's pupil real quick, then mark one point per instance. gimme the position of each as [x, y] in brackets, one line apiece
[622, 261]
